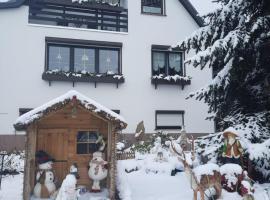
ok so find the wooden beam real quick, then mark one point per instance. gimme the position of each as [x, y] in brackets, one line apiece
[29, 168]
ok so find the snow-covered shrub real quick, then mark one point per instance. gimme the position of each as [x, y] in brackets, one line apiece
[254, 141]
[14, 163]
[231, 176]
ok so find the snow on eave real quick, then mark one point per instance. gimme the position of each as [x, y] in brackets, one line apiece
[28, 118]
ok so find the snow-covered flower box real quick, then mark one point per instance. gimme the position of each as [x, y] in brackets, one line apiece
[171, 80]
[55, 75]
[106, 2]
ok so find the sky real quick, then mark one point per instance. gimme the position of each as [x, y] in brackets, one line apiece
[203, 6]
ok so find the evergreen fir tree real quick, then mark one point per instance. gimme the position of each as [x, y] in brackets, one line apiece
[235, 43]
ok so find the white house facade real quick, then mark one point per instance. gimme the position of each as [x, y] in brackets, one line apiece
[113, 51]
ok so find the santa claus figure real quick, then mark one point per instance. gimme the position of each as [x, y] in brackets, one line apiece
[68, 190]
[45, 186]
[232, 149]
[98, 170]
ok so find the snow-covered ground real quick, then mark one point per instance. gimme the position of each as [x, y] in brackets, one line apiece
[12, 187]
[148, 179]
[150, 182]
[142, 187]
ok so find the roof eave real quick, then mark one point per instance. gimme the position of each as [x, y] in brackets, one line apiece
[15, 4]
[192, 11]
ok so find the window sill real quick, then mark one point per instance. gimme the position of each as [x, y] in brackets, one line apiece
[154, 14]
[170, 80]
[78, 77]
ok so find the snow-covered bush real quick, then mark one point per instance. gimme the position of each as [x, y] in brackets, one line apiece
[231, 176]
[254, 142]
[14, 163]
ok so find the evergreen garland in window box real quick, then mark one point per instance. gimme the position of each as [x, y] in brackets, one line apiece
[56, 75]
[171, 80]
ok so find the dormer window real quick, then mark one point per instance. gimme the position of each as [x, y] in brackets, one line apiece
[153, 7]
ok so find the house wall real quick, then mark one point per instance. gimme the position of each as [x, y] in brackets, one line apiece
[22, 55]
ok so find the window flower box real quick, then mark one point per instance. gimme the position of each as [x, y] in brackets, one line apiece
[170, 80]
[55, 75]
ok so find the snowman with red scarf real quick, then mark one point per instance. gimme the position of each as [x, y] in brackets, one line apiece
[98, 170]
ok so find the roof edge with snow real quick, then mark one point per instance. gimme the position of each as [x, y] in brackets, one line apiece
[192, 11]
[36, 114]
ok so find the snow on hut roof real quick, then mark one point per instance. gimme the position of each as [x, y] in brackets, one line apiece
[28, 118]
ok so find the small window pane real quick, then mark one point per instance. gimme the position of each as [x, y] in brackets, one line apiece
[59, 58]
[175, 64]
[152, 6]
[109, 61]
[82, 148]
[84, 60]
[159, 63]
[82, 137]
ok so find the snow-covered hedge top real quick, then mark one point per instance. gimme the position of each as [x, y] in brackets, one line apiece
[207, 169]
[231, 169]
[23, 121]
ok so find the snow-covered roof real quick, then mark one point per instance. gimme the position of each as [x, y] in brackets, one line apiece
[28, 118]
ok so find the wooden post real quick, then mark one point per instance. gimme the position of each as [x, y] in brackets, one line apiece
[29, 168]
[112, 173]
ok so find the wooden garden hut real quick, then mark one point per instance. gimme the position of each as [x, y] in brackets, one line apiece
[65, 128]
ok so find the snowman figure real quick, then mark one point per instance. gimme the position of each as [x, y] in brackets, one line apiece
[68, 190]
[97, 170]
[45, 186]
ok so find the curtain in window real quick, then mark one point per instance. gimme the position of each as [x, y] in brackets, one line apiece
[108, 61]
[84, 60]
[159, 62]
[175, 62]
[59, 58]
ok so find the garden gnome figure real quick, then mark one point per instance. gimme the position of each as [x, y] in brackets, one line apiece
[98, 170]
[232, 149]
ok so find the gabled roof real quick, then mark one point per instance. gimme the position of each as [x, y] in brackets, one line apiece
[186, 3]
[36, 114]
[192, 11]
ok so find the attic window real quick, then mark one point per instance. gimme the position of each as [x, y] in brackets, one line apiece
[153, 7]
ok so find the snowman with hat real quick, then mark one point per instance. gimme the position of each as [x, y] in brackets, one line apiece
[98, 170]
[45, 186]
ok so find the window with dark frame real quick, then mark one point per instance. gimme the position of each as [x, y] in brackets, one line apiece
[86, 142]
[153, 6]
[168, 63]
[78, 58]
[169, 119]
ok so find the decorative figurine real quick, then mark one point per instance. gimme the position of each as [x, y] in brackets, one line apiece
[68, 190]
[232, 149]
[45, 186]
[98, 170]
